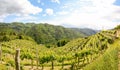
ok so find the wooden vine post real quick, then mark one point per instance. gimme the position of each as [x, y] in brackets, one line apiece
[17, 59]
[117, 33]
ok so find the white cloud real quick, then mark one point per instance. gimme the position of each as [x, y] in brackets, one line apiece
[49, 11]
[94, 14]
[25, 18]
[44, 15]
[90, 21]
[56, 1]
[63, 13]
[2, 18]
[21, 7]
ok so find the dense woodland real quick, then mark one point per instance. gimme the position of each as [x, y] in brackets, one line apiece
[48, 47]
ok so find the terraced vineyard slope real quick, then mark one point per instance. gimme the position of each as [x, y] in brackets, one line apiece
[75, 55]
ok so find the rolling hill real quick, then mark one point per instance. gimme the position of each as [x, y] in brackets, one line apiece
[42, 33]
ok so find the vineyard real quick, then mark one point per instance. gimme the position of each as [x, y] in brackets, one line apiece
[75, 55]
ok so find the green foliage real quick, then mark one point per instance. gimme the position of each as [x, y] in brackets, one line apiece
[118, 27]
[41, 33]
[5, 38]
[62, 42]
[110, 41]
[43, 59]
[108, 61]
[11, 63]
[45, 33]
[26, 55]
[3, 67]
[86, 31]
[77, 52]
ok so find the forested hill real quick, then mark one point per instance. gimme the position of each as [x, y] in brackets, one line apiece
[41, 33]
[86, 31]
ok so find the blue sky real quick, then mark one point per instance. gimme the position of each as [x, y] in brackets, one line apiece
[95, 14]
[117, 2]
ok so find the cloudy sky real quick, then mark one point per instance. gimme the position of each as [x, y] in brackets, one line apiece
[95, 14]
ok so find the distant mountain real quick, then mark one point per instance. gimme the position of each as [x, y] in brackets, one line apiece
[46, 33]
[86, 31]
[43, 33]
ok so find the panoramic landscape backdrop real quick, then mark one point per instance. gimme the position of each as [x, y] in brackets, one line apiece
[95, 14]
[59, 34]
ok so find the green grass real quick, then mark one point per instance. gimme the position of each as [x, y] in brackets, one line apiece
[3, 67]
[107, 61]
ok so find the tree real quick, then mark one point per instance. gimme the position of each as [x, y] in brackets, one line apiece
[6, 38]
[21, 37]
[62, 42]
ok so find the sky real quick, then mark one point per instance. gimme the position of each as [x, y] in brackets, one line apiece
[95, 14]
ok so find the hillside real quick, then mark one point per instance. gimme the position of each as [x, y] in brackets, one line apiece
[108, 61]
[75, 55]
[86, 31]
[42, 33]
[45, 33]
[8, 32]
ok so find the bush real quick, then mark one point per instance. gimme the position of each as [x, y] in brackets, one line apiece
[11, 63]
[110, 41]
[5, 38]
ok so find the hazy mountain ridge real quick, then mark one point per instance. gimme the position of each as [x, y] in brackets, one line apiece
[86, 31]
[44, 33]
